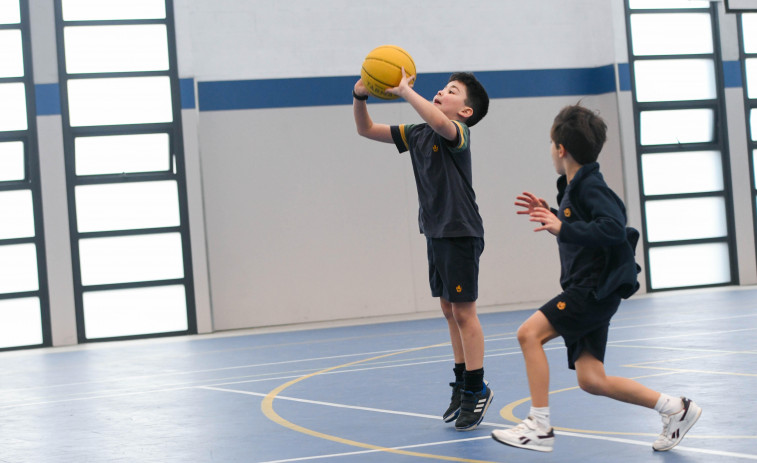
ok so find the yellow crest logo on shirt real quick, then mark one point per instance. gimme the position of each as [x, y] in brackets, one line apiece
[459, 289]
[435, 148]
[567, 212]
[561, 305]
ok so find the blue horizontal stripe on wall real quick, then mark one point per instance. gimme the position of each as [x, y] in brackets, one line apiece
[47, 99]
[732, 74]
[187, 90]
[326, 91]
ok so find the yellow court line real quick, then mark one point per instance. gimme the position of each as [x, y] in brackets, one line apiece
[267, 408]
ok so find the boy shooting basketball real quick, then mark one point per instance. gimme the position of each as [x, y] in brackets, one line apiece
[448, 217]
[598, 270]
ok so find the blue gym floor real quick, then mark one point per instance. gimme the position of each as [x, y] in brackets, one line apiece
[374, 393]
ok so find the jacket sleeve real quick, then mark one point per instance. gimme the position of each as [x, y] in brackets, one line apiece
[604, 221]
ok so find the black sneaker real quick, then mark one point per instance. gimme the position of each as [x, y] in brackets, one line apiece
[454, 403]
[473, 408]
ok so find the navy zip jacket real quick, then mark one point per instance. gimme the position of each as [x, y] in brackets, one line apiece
[596, 248]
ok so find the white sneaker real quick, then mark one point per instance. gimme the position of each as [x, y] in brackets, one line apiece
[526, 435]
[676, 425]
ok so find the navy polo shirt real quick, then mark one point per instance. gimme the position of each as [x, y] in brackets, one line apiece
[443, 177]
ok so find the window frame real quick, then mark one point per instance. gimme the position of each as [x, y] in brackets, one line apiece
[176, 172]
[719, 143]
[31, 181]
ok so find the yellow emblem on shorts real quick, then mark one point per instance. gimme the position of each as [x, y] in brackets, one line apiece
[567, 212]
[459, 289]
[561, 305]
[436, 148]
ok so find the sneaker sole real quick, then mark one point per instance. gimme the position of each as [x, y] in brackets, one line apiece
[683, 433]
[483, 413]
[538, 448]
[452, 417]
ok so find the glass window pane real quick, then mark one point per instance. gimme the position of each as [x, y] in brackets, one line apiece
[675, 80]
[18, 268]
[749, 23]
[129, 312]
[127, 206]
[20, 322]
[685, 219]
[753, 124]
[689, 172]
[130, 100]
[13, 107]
[126, 259]
[9, 12]
[11, 161]
[689, 265]
[89, 10]
[17, 214]
[659, 4]
[750, 67]
[11, 53]
[128, 48]
[119, 154]
[754, 166]
[673, 127]
[671, 33]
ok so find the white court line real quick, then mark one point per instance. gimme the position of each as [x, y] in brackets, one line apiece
[434, 417]
[209, 370]
[363, 452]
[333, 357]
[683, 335]
[244, 379]
[247, 380]
[684, 321]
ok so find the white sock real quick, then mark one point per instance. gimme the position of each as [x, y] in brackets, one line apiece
[667, 405]
[541, 416]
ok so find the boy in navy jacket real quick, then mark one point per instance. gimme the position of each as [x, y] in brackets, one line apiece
[598, 270]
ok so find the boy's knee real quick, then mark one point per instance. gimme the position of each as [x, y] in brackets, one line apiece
[526, 335]
[592, 385]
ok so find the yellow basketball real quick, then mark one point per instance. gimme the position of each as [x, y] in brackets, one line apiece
[382, 69]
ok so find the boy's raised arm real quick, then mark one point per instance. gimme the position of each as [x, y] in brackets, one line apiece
[363, 121]
[436, 119]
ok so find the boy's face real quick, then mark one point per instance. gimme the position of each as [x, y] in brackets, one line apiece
[451, 101]
[556, 159]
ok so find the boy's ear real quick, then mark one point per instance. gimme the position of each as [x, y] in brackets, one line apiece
[466, 112]
[561, 151]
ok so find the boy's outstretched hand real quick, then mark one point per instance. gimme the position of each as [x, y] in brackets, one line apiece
[529, 201]
[538, 211]
[405, 85]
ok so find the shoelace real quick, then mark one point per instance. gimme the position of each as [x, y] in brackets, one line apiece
[665, 425]
[523, 426]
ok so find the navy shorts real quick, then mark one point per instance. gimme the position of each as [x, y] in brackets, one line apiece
[582, 321]
[453, 267]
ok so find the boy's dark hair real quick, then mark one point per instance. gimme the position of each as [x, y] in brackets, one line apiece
[477, 98]
[581, 131]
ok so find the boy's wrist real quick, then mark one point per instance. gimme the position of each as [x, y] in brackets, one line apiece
[359, 97]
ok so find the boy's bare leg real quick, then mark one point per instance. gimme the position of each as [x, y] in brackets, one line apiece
[454, 333]
[592, 379]
[532, 335]
[471, 334]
